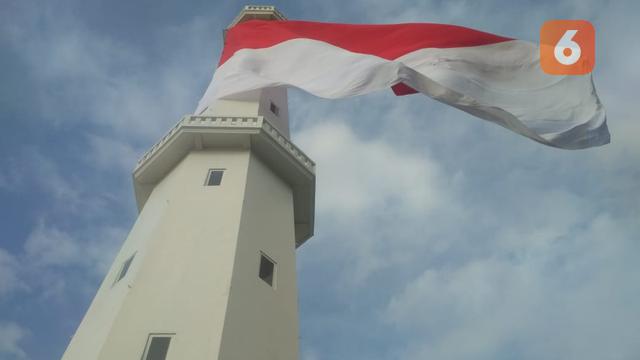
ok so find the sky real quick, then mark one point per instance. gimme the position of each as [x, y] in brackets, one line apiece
[438, 235]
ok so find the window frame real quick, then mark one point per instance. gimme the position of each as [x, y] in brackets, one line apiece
[124, 268]
[273, 273]
[147, 345]
[274, 109]
[209, 174]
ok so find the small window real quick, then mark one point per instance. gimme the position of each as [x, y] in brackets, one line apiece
[274, 109]
[214, 178]
[125, 268]
[267, 269]
[157, 347]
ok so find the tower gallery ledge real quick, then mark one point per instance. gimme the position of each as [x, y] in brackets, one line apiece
[216, 132]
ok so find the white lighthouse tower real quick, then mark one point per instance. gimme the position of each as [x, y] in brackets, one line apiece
[208, 269]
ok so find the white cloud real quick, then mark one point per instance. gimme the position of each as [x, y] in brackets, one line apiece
[9, 274]
[362, 179]
[28, 169]
[11, 334]
[92, 248]
[53, 257]
[309, 354]
[107, 153]
[501, 248]
[34, 168]
[48, 246]
[356, 175]
[531, 253]
[100, 247]
[98, 80]
[566, 299]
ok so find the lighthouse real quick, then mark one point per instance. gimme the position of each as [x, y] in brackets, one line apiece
[208, 270]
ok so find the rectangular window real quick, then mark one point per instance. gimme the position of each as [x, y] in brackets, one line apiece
[214, 178]
[267, 269]
[125, 268]
[274, 109]
[157, 347]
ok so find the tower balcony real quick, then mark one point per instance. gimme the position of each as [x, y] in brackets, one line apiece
[218, 132]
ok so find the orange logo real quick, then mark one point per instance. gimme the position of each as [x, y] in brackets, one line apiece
[567, 47]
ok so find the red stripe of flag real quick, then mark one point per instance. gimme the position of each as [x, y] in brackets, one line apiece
[385, 41]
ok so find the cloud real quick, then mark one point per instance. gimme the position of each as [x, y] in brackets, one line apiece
[437, 235]
[91, 79]
[566, 297]
[528, 255]
[496, 263]
[92, 248]
[112, 153]
[9, 274]
[31, 169]
[11, 334]
[309, 354]
[359, 180]
[48, 246]
[351, 170]
[102, 246]
[54, 257]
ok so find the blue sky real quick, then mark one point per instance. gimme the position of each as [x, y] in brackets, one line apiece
[438, 235]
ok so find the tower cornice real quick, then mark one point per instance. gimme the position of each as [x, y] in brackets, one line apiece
[257, 12]
[219, 132]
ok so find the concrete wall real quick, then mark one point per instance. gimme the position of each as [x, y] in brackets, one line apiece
[254, 103]
[195, 271]
[262, 321]
[96, 325]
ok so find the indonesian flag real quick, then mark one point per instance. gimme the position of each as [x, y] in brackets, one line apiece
[492, 77]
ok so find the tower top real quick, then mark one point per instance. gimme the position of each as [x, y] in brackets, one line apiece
[257, 12]
[271, 103]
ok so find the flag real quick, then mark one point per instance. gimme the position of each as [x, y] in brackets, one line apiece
[492, 77]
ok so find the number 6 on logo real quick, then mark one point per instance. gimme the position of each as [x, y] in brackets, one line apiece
[567, 47]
